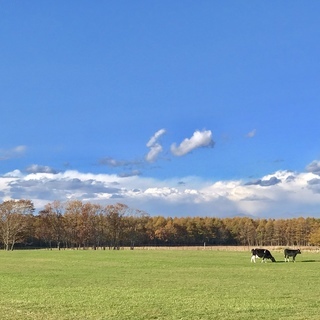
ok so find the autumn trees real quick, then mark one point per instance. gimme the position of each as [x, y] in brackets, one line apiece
[49, 224]
[13, 221]
[75, 224]
[80, 225]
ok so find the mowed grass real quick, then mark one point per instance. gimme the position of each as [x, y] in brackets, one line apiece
[156, 284]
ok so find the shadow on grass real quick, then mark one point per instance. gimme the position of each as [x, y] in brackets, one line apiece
[297, 261]
[318, 261]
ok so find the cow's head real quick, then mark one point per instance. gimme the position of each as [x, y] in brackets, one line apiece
[298, 251]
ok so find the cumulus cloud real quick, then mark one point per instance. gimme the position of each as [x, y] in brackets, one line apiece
[255, 197]
[155, 146]
[314, 181]
[12, 153]
[314, 185]
[199, 139]
[264, 183]
[314, 167]
[290, 178]
[13, 174]
[278, 195]
[68, 185]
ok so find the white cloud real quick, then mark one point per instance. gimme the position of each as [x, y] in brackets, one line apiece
[12, 153]
[155, 150]
[155, 147]
[13, 174]
[155, 137]
[198, 139]
[298, 194]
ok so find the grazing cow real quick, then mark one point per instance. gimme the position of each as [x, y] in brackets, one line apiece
[261, 253]
[291, 253]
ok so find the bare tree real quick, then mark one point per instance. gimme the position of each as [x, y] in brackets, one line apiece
[73, 223]
[135, 222]
[13, 214]
[81, 221]
[88, 224]
[50, 224]
[115, 223]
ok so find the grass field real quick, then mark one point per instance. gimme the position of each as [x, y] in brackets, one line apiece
[156, 284]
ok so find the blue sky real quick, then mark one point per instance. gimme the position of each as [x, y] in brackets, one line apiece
[177, 108]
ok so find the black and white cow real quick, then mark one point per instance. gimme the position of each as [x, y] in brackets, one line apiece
[291, 253]
[261, 253]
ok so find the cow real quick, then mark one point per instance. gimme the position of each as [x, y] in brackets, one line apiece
[261, 253]
[291, 253]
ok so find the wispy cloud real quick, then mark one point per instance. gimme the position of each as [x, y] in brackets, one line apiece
[155, 137]
[199, 139]
[154, 152]
[35, 168]
[129, 174]
[155, 146]
[12, 153]
[251, 134]
[128, 168]
[114, 163]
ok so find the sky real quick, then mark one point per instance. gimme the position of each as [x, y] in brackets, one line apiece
[176, 108]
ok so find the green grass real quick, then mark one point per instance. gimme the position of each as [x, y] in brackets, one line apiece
[172, 284]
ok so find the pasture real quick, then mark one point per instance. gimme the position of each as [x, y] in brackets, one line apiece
[156, 284]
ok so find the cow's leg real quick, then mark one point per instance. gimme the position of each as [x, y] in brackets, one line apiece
[253, 258]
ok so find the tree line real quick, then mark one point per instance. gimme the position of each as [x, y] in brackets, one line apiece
[75, 224]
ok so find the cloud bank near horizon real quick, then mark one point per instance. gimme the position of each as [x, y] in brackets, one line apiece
[279, 194]
[282, 194]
